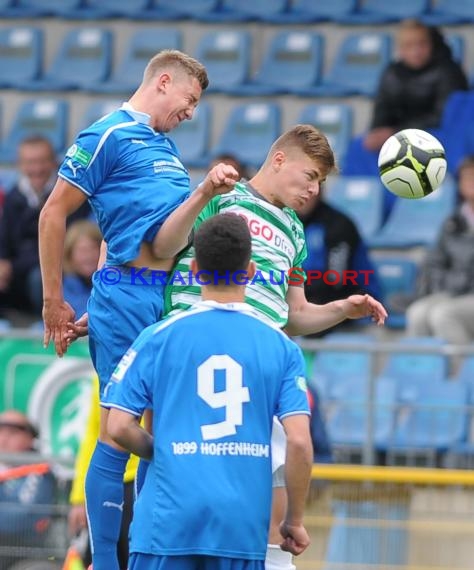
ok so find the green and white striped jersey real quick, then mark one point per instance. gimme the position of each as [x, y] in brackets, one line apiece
[278, 250]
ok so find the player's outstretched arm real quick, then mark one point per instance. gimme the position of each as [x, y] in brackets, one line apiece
[64, 200]
[175, 231]
[124, 428]
[308, 318]
[298, 463]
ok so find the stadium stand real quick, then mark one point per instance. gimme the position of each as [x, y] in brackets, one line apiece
[457, 44]
[141, 47]
[226, 55]
[384, 11]
[292, 63]
[46, 117]
[43, 8]
[246, 10]
[97, 9]
[445, 12]
[359, 197]
[21, 54]
[361, 57]
[308, 11]
[83, 59]
[97, 110]
[249, 131]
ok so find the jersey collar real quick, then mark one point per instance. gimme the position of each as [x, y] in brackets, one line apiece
[137, 115]
[240, 307]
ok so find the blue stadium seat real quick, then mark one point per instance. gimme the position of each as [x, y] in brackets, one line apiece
[226, 56]
[291, 64]
[456, 43]
[142, 46]
[333, 367]
[445, 12]
[359, 197]
[194, 9]
[417, 222]
[335, 120]
[45, 117]
[44, 8]
[434, 418]
[98, 109]
[309, 11]
[8, 178]
[396, 275]
[348, 416]
[249, 132]
[21, 53]
[246, 10]
[359, 62]
[383, 11]
[97, 9]
[192, 137]
[408, 367]
[83, 59]
[6, 8]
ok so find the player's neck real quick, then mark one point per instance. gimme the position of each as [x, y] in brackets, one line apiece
[260, 184]
[223, 294]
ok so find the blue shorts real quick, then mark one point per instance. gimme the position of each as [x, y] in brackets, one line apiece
[119, 308]
[139, 561]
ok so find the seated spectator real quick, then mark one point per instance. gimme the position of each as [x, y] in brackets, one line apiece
[445, 305]
[27, 491]
[81, 255]
[20, 278]
[233, 161]
[412, 93]
[335, 247]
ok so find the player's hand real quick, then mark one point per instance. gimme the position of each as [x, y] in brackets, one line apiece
[295, 538]
[219, 180]
[360, 306]
[76, 519]
[77, 329]
[56, 316]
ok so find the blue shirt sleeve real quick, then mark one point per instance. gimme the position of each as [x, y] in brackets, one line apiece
[293, 398]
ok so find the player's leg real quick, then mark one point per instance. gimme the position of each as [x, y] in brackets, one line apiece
[117, 315]
[418, 314]
[276, 558]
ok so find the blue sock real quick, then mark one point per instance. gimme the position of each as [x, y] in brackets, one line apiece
[140, 478]
[104, 501]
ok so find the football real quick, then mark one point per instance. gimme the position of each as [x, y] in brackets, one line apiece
[412, 163]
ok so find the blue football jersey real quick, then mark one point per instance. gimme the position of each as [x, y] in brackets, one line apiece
[215, 376]
[132, 176]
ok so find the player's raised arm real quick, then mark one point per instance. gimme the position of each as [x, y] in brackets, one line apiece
[308, 318]
[175, 231]
[63, 200]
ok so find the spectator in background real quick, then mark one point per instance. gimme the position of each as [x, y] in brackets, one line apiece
[26, 490]
[81, 255]
[20, 278]
[412, 93]
[335, 245]
[233, 161]
[445, 307]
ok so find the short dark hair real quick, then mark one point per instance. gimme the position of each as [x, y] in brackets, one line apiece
[223, 245]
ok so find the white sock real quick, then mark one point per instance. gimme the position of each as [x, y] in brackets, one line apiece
[278, 559]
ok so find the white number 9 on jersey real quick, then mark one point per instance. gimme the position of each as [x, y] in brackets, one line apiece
[232, 398]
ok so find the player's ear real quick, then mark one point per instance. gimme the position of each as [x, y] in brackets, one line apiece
[193, 266]
[251, 269]
[278, 159]
[162, 81]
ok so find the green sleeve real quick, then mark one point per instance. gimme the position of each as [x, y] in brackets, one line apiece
[208, 211]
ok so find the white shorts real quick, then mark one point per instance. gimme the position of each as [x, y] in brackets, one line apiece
[278, 444]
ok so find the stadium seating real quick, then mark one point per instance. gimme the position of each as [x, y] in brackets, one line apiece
[446, 12]
[226, 56]
[359, 197]
[249, 132]
[192, 137]
[245, 10]
[456, 43]
[8, 178]
[44, 8]
[195, 9]
[45, 117]
[335, 120]
[396, 275]
[360, 59]
[384, 11]
[348, 416]
[417, 222]
[98, 109]
[309, 11]
[83, 59]
[141, 47]
[96, 9]
[21, 53]
[433, 417]
[292, 63]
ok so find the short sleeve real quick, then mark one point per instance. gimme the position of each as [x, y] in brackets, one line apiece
[208, 211]
[293, 398]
